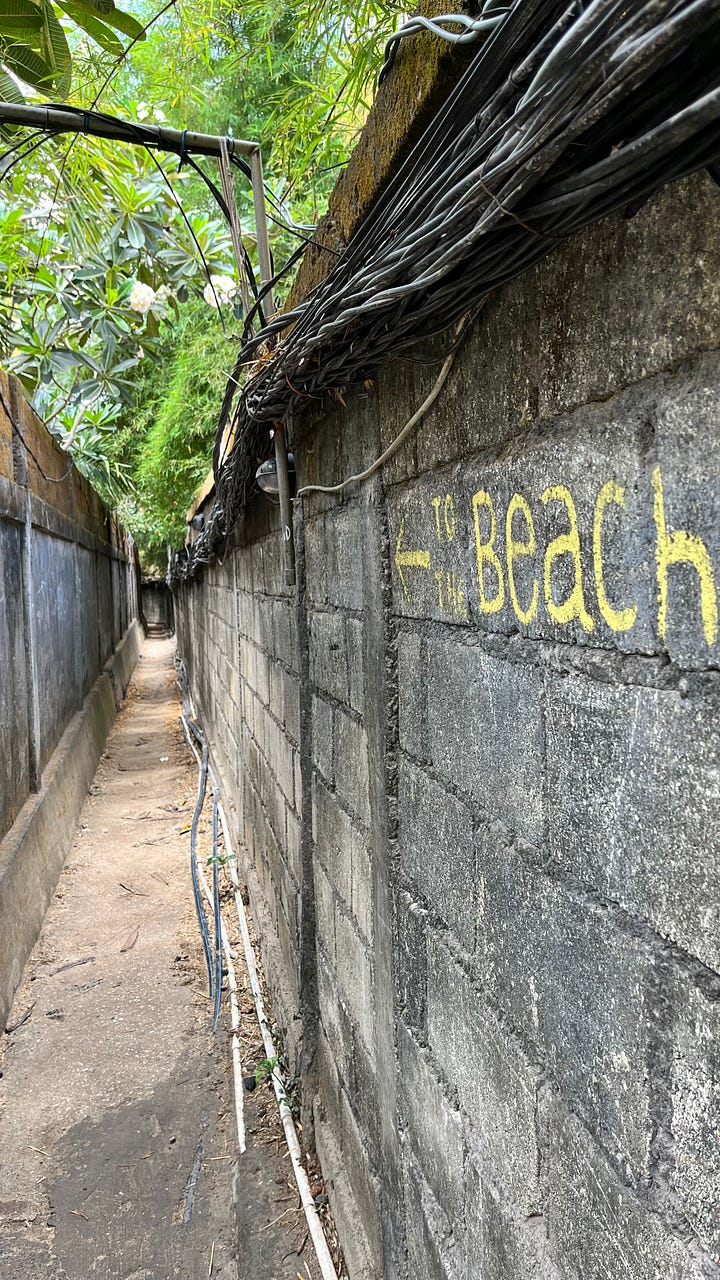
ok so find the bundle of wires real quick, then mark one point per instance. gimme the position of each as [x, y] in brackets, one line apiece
[568, 112]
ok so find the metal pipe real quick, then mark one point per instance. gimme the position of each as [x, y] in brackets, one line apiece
[283, 481]
[281, 465]
[327, 1266]
[263, 242]
[58, 120]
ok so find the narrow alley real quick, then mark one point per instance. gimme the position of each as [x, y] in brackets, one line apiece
[118, 1150]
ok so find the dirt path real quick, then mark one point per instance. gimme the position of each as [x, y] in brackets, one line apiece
[117, 1142]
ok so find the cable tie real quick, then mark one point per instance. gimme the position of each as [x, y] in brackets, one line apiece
[183, 148]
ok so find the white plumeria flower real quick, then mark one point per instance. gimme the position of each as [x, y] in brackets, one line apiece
[225, 290]
[142, 297]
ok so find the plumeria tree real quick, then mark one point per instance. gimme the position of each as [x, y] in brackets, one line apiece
[116, 304]
[94, 265]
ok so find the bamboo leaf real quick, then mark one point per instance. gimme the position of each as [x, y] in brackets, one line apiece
[125, 22]
[96, 29]
[96, 6]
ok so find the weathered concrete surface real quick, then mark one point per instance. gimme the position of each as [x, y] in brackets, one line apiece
[69, 642]
[506, 654]
[156, 604]
[33, 851]
[68, 594]
[113, 1094]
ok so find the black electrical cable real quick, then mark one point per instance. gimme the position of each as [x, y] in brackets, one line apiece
[202, 786]
[216, 910]
[571, 109]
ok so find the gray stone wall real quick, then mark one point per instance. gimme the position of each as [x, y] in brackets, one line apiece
[68, 595]
[476, 769]
[237, 633]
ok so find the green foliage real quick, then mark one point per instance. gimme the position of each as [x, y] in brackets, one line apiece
[34, 44]
[100, 277]
[168, 440]
[93, 270]
[265, 1069]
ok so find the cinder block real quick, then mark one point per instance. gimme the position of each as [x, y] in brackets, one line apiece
[273, 803]
[495, 1083]
[322, 737]
[485, 732]
[284, 639]
[334, 1020]
[411, 962]
[434, 1128]
[432, 1250]
[596, 1227]
[342, 1149]
[437, 849]
[355, 664]
[354, 971]
[324, 911]
[328, 659]
[291, 705]
[276, 673]
[412, 687]
[297, 781]
[348, 529]
[293, 844]
[362, 884]
[694, 1056]
[333, 836]
[500, 1243]
[634, 803]
[316, 562]
[262, 678]
[333, 562]
[363, 1095]
[351, 766]
[688, 464]
[591, 285]
[579, 991]
[283, 762]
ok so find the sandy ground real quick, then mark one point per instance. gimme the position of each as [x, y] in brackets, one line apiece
[118, 1152]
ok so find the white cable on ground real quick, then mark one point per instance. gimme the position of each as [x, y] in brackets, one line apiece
[327, 1267]
[232, 984]
[234, 1020]
[317, 1235]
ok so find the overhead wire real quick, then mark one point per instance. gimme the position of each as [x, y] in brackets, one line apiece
[570, 110]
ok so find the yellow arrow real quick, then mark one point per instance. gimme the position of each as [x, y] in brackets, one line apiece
[409, 560]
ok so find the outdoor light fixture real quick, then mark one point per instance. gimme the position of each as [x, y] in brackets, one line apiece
[276, 478]
[267, 476]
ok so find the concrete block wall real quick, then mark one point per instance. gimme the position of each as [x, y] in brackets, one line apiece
[237, 632]
[505, 656]
[68, 594]
[69, 640]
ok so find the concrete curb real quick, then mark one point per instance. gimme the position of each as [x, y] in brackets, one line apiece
[34, 850]
[121, 665]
